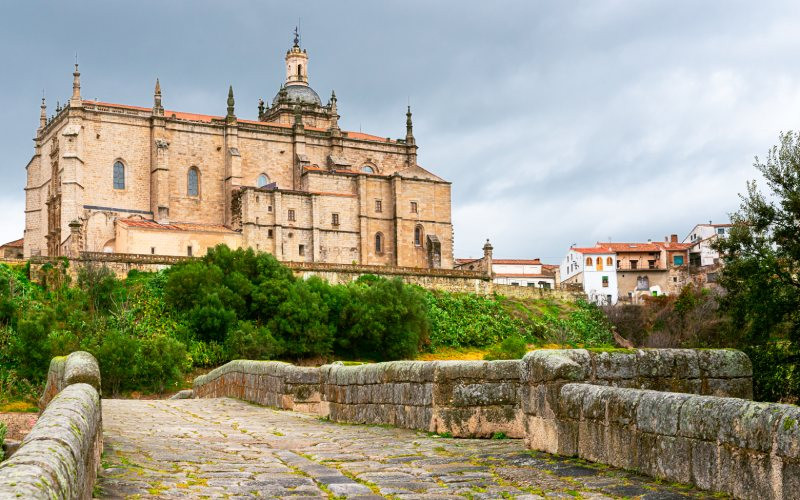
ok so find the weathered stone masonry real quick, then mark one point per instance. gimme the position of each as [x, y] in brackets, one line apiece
[60, 456]
[677, 414]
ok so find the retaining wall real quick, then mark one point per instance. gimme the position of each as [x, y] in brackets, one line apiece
[60, 456]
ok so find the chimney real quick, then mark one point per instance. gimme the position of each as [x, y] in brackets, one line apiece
[673, 238]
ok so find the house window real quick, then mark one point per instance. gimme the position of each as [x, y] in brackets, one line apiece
[414, 209]
[378, 206]
[642, 283]
[119, 175]
[192, 182]
[269, 233]
[720, 230]
[651, 264]
[378, 243]
[367, 169]
[634, 264]
[599, 263]
[291, 215]
[335, 219]
[677, 260]
[189, 250]
[605, 281]
[588, 261]
[301, 250]
[269, 208]
[418, 235]
[152, 250]
[609, 261]
[262, 180]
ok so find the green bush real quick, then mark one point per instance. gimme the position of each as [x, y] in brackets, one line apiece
[776, 372]
[161, 363]
[248, 341]
[468, 320]
[301, 322]
[513, 347]
[3, 430]
[117, 356]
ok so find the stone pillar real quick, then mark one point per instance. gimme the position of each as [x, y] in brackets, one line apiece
[298, 148]
[75, 239]
[487, 257]
[397, 220]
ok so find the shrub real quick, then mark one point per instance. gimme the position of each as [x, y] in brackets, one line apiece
[513, 347]
[468, 320]
[301, 322]
[248, 341]
[30, 346]
[117, 356]
[3, 430]
[161, 363]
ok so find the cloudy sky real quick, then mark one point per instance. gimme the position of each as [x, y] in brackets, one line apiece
[557, 122]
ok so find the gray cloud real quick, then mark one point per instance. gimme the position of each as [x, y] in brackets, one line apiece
[557, 122]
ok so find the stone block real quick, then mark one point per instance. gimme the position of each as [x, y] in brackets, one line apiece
[81, 368]
[750, 425]
[728, 387]
[750, 473]
[620, 446]
[724, 363]
[788, 432]
[484, 394]
[790, 478]
[705, 464]
[701, 417]
[546, 365]
[503, 370]
[592, 440]
[614, 365]
[658, 412]
[570, 403]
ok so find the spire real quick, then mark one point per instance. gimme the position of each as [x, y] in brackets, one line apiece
[43, 113]
[409, 127]
[158, 109]
[296, 37]
[334, 112]
[76, 85]
[231, 116]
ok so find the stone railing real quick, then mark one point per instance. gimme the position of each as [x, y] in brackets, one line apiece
[678, 414]
[60, 456]
[466, 398]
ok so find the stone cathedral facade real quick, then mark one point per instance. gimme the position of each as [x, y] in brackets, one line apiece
[126, 179]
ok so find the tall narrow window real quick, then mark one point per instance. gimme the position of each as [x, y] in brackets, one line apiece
[418, 235]
[192, 182]
[119, 175]
[262, 180]
[378, 243]
[609, 261]
[301, 250]
[378, 206]
[189, 251]
[299, 70]
[588, 261]
[414, 209]
[291, 215]
[335, 219]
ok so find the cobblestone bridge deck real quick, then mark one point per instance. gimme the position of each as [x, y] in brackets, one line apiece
[213, 448]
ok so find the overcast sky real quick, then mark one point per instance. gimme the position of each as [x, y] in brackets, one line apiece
[557, 122]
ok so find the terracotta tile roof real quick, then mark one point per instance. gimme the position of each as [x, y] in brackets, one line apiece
[366, 137]
[592, 250]
[517, 261]
[16, 243]
[467, 261]
[176, 226]
[509, 275]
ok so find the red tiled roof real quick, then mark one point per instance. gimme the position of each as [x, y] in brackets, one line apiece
[510, 275]
[517, 261]
[175, 226]
[366, 137]
[650, 246]
[16, 243]
[592, 250]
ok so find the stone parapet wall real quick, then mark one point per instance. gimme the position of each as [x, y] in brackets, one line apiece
[735, 446]
[530, 292]
[463, 398]
[60, 456]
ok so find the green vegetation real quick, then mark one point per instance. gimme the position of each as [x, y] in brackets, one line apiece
[3, 430]
[149, 330]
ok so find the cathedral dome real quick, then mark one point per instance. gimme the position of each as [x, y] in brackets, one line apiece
[304, 93]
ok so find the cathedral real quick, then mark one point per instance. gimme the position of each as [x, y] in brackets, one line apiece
[133, 180]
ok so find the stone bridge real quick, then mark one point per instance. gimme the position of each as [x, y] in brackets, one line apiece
[560, 423]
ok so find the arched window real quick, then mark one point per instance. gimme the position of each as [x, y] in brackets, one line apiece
[262, 180]
[378, 243]
[599, 263]
[609, 261]
[418, 235]
[367, 169]
[588, 261]
[299, 70]
[193, 182]
[119, 175]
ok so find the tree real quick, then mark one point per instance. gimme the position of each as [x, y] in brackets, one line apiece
[761, 274]
[762, 253]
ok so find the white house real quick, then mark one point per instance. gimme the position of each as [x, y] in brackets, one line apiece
[522, 272]
[595, 270]
[702, 237]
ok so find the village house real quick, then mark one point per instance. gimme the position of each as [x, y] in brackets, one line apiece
[702, 238]
[611, 271]
[513, 272]
[12, 249]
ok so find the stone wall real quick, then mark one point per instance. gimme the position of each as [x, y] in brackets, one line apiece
[735, 446]
[60, 456]
[463, 398]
